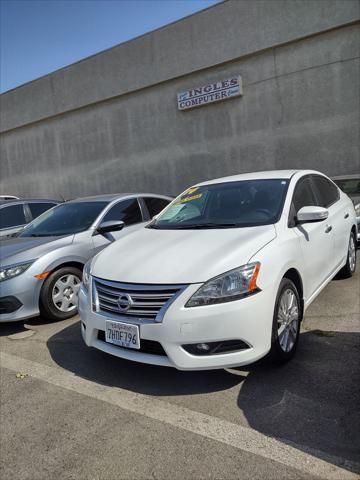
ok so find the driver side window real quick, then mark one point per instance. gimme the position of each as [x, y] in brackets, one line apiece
[127, 211]
[303, 197]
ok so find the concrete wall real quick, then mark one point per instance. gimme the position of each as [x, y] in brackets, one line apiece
[110, 123]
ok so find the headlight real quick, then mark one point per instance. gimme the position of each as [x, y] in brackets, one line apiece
[229, 286]
[13, 270]
[86, 275]
[357, 209]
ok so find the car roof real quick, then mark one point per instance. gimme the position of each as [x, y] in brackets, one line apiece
[266, 175]
[26, 200]
[109, 197]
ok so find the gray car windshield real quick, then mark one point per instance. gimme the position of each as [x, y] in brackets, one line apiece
[226, 205]
[65, 219]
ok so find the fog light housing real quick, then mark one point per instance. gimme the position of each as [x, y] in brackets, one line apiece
[216, 348]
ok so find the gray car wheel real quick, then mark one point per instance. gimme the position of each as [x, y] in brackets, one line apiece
[59, 294]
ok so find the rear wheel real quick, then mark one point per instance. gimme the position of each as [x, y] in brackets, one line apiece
[348, 269]
[286, 322]
[59, 294]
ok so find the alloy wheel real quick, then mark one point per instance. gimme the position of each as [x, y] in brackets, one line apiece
[288, 318]
[352, 254]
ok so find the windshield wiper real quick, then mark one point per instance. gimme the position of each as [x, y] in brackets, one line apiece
[196, 226]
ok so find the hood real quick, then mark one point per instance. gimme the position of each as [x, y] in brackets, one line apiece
[179, 256]
[19, 249]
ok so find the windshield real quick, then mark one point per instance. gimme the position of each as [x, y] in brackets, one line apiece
[65, 219]
[349, 186]
[226, 205]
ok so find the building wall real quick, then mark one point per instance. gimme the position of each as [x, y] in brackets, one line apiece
[110, 123]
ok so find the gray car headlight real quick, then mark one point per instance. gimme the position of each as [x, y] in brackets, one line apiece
[229, 286]
[13, 270]
[86, 277]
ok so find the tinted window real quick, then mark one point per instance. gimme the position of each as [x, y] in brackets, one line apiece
[155, 205]
[326, 191]
[37, 209]
[12, 216]
[65, 219]
[304, 194]
[127, 211]
[226, 205]
[350, 186]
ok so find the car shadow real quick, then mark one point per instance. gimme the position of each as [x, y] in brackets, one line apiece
[69, 351]
[310, 403]
[313, 401]
[11, 328]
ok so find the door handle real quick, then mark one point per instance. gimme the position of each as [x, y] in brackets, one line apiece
[346, 216]
[328, 228]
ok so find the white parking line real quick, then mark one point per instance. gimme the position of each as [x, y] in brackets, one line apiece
[213, 428]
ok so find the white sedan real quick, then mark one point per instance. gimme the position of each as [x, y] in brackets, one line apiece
[223, 275]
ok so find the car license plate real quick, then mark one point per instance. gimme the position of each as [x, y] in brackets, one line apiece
[122, 334]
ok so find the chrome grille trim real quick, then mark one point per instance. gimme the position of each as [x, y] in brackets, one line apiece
[149, 301]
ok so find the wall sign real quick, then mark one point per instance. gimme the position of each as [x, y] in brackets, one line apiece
[213, 92]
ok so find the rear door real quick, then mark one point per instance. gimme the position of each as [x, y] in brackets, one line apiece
[328, 196]
[129, 212]
[316, 239]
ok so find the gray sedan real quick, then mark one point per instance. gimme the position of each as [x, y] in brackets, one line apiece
[41, 269]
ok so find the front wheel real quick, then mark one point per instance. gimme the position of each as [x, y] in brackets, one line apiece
[59, 294]
[286, 322]
[348, 269]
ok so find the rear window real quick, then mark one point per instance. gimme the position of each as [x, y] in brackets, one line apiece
[12, 216]
[37, 209]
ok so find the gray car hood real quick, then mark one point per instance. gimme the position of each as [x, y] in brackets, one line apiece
[22, 249]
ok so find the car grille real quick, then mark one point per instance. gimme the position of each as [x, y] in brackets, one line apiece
[146, 301]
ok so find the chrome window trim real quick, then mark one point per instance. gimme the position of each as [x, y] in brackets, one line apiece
[140, 287]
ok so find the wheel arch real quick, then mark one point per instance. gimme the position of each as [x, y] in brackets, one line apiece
[75, 264]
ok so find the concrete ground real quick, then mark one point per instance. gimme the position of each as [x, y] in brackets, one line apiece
[71, 412]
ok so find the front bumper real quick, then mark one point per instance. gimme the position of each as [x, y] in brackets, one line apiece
[24, 292]
[249, 320]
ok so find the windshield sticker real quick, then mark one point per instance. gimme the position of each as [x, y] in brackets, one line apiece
[189, 199]
[192, 190]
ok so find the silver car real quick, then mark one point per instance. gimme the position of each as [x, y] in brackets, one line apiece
[41, 269]
[16, 213]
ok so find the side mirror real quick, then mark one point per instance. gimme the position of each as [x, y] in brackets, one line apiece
[110, 226]
[312, 214]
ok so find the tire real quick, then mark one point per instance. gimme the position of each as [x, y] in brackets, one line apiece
[285, 332]
[349, 268]
[59, 294]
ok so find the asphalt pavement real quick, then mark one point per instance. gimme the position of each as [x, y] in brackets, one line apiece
[71, 412]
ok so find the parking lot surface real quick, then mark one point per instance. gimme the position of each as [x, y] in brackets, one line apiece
[69, 412]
